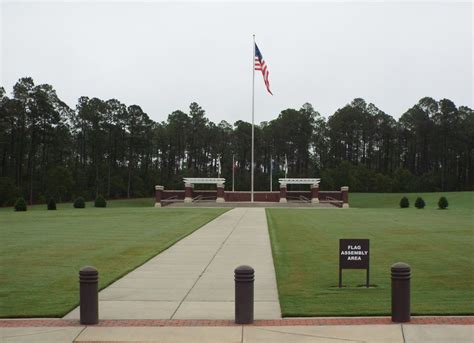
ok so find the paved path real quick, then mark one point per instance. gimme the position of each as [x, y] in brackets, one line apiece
[394, 333]
[284, 334]
[194, 279]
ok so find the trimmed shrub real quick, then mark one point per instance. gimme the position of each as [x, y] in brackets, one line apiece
[100, 202]
[51, 204]
[20, 204]
[442, 203]
[419, 203]
[404, 203]
[79, 203]
[8, 191]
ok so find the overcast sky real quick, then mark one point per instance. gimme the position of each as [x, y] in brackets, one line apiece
[162, 56]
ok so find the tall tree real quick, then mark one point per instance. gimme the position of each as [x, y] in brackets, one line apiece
[106, 147]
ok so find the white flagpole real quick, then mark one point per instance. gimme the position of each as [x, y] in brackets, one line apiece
[253, 108]
[233, 172]
[271, 170]
[286, 167]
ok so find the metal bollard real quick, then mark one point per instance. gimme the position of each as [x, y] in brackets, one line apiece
[400, 292]
[244, 279]
[88, 295]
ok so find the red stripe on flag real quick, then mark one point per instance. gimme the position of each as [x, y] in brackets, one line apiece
[261, 66]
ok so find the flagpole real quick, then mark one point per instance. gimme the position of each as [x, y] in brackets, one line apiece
[271, 176]
[253, 109]
[233, 172]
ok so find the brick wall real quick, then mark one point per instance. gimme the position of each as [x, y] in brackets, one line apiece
[258, 196]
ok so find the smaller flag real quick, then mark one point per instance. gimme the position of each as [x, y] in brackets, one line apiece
[219, 169]
[261, 65]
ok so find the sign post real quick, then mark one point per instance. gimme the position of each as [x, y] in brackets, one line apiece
[354, 254]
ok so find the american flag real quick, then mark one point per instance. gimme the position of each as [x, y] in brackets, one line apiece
[261, 65]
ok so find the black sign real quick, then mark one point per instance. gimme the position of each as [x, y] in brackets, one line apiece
[353, 254]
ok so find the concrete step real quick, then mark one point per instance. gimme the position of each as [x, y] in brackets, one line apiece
[290, 204]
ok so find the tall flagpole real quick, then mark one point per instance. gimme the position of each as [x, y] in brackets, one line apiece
[233, 172]
[271, 173]
[253, 108]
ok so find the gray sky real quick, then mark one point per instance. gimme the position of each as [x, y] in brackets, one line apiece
[162, 56]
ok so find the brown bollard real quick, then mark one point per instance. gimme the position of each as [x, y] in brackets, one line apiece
[244, 279]
[88, 295]
[401, 274]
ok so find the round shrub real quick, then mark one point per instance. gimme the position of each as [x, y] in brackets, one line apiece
[404, 203]
[419, 203]
[442, 203]
[51, 205]
[79, 203]
[20, 204]
[100, 202]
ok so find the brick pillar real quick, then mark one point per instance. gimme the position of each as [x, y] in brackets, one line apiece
[345, 196]
[282, 192]
[188, 192]
[315, 194]
[158, 195]
[220, 193]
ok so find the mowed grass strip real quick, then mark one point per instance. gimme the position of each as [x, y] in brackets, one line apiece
[118, 203]
[439, 246]
[42, 251]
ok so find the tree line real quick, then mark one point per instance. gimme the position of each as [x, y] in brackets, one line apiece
[104, 147]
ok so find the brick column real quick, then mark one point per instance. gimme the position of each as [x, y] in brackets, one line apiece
[220, 193]
[158, 195]
[345, 196]
[282, 192]
[188, 192]
[315, 194]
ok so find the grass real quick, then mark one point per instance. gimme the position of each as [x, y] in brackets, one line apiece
[438, 244]
[457, 200]
[42, 251]
[138, 202]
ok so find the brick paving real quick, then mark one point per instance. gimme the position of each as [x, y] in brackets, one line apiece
[436, 320]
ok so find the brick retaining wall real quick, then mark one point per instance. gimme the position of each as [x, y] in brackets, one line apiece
[230, 196]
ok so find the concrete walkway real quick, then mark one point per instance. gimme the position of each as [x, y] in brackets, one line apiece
[194, 279]
[393, 333]
[285, 334]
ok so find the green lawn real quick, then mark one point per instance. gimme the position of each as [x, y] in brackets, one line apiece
[438, 244]
[456, 200]
[138, 202]
[42, 251]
